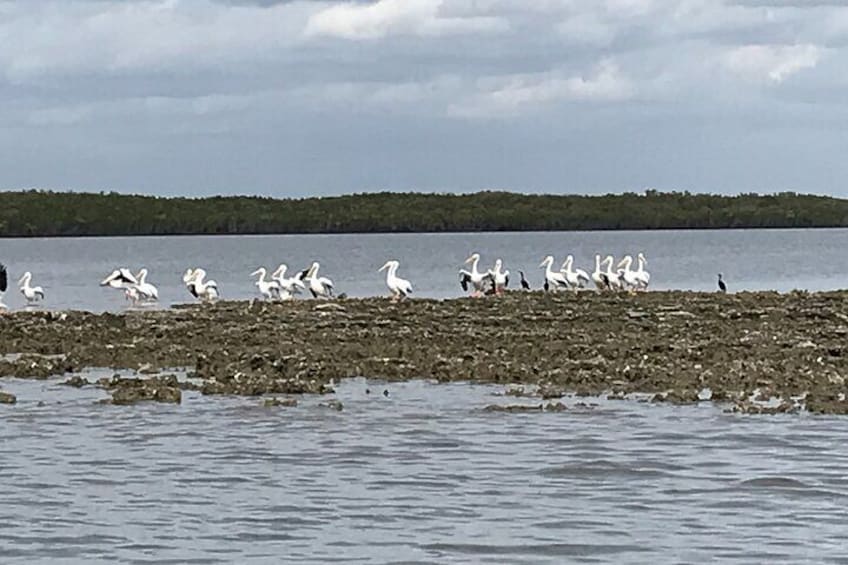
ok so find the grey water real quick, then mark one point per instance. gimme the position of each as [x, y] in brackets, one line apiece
[70, 269]
[422, 475]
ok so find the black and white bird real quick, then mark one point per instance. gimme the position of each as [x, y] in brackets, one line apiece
[320, 287]
[206, 291]
[524, 284]
[268, 289]
[32, 293]
[4, 284]
[500, 278]
[473, 279]
[120, 278]
[722, 287]
[400, 288]
[554, 280]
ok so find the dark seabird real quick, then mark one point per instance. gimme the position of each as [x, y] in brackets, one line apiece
[524, 284]
[721, 286]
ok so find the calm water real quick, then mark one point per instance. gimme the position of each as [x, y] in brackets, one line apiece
[423, 476]
[70, 269]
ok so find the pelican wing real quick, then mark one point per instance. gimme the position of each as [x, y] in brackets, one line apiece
[464, 280]
[4, 278]
[506, 281]
[302, 275]
[192, 289]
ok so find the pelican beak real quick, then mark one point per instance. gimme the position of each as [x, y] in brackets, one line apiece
[469, 259]
[254, 273]
[21, 281]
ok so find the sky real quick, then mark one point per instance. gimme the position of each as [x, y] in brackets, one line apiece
[302, 98]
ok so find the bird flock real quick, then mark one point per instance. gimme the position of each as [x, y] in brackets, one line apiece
[606, 276]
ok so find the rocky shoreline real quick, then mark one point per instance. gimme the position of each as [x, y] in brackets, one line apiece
[758, 352]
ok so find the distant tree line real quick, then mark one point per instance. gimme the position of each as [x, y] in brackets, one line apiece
[45, 213]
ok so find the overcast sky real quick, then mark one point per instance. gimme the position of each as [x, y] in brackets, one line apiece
[306, 97]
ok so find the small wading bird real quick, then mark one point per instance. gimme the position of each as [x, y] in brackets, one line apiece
[500, 279]
[206, 291]
[268, 289]
[400, 288]
[473, 278]
[554, 280]
[722, 287]
[320, 287]
[32, 293]
[4, 285]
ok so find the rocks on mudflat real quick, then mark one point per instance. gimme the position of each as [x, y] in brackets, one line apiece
[7, 397]
[134, 390]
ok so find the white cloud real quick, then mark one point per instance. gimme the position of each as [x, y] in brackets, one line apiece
[396, 17]
[774, 63]
[513, 95]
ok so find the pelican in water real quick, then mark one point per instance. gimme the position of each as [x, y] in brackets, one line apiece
[289, 286]
[32, 293]
[320, 287]
[643, 276]
[628, 276]
[400, 288]
[598, 276]
[4, 285]
[554, 280]
[613, 278]
[475, 278]
[145, 290]
[120, 278]
[576, 278]
[500, 279]
[206, 291]
[268, 289]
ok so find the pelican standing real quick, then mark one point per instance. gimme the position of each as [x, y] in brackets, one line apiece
[500, 279]
[613, 278]
[145, 290]
[473, 277]
[206, 291]
[628, 276]
[576, 278]
[320, 287]
[120, 278]
[553, 280]
[4, 285]
[268, 289]
[289, 286]
[643, 276]
[31, 293]
[400, 288]
[598, 276]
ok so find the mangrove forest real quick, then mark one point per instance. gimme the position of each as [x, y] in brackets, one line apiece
[46, 213]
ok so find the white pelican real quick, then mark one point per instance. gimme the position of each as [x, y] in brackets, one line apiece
[576, 278]
[205, 291]
[500, 279]
[4, 284]
[144, 290]
[628, 276]
[318, 286]
[120, 278]
[643, 276]
[473, 277]
[524, 284]
[553, 280]
[613, 278]
[31, 293]
[598, 276]
[289, 286]
[400, 288]
[268, 289]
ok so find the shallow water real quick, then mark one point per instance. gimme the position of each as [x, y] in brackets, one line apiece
[423, 475]
[70, 269]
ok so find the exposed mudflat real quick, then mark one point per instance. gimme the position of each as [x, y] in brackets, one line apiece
[759, 352]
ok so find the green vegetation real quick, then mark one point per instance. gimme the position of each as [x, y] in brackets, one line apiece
[42, 213]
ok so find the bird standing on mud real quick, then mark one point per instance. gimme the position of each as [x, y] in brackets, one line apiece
[400, 288]
[500, 279]
[205, 291]
[320, 287]
[268, 289]
[524, 284]
[32, 293]
[4, 284]
[473, 278]
[554, 280]
[722, 287]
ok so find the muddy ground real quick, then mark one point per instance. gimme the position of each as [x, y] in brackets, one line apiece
[745, 348]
